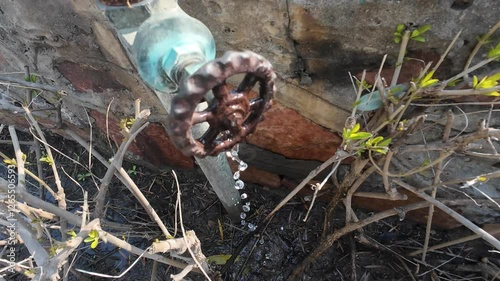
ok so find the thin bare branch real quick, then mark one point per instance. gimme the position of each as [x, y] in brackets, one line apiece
[330, 239]
[480, 43]
[467, 223]
[57, 180]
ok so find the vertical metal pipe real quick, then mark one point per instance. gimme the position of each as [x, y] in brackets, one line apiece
[127, 21]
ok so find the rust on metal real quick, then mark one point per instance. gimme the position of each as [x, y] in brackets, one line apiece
[232, 115]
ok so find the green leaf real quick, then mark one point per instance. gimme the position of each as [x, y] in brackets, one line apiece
[71, 233]
[426, 162]
[474, 81]
[430, 82]
[481, 83]
[364, 86]
[53, 251]
[372, 101]
[345, 133]
[494, 52]
[400, 28]
[454, 82]
[485, 39]
[94, 244]
[88, 239]
[219, 259]
[356, 128]
[493, 94]
[427, 80]
[415, 33]
[418, 39]
[360, 136]
[424, 28]
[94, 233]
[10, 161]
[482, 178]
[386, 142]
[487, 82]
[46, 159]
[376, 140]
[397, 40]
[380, 150]
[33, 78]
[495, 77]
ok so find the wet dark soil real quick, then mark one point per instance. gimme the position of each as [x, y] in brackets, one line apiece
[272, 255]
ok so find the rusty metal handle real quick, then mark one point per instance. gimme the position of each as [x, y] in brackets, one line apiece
[232, 114]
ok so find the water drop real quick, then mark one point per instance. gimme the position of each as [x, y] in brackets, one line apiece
[234, 153]
[243, 166]
[243, 216]
[239, 184]
[246, 208]
[236, 175]
[244, 196]
[243, 222]
[402, 216]
[401, 213]
[252, 227]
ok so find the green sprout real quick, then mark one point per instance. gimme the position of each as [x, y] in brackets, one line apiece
[71, 233]
[126, 123]
[484, 39]
[453, 83]
[53, 249]
[366, 140]
[427, 80]
[82, 177]
[12, 161]
[494, 53]
[133, 171]
[32, 78]
[398, 34]
[46, 159]
[378, 144]
[364, 85]
[29, 272]
[354, 134]
[415, 35]
[93, 237]
[487, 82]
